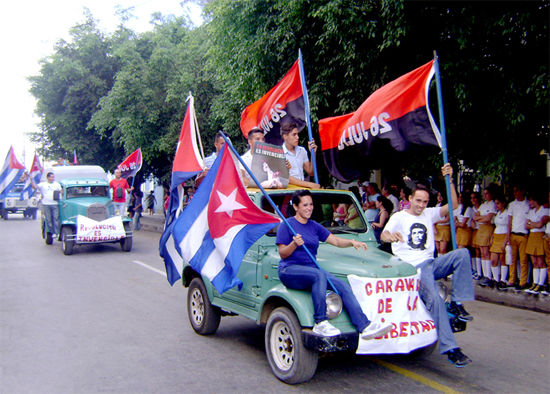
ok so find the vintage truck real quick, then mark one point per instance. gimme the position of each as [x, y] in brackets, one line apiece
[85, 205]
[13, 203]
[291, 346]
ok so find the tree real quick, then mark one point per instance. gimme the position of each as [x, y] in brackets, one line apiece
[68, 88]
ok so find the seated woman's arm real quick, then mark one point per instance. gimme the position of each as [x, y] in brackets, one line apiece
[285, 251]
[345, 243]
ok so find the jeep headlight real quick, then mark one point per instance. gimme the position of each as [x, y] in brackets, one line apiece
[33, 202]
[334, 305]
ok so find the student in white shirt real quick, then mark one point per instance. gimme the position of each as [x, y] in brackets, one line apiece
[499, 240]
[297, 159]
[535, 248]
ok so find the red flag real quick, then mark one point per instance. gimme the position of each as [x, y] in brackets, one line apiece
[284, 103]
[395, 118]
[131, 165]
[75, 158]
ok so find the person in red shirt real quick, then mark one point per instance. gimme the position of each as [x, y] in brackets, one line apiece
[120, 189]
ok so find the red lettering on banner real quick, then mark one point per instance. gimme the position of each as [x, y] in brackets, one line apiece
[368, 289]
[417, 284]
[379, 286]
[389, 285]
[388, 305]
[425, 326]
[393, 333]
[380, 306]
[414, 324]
[432, 324]
[400, 285]
[410, 284]
[403, 329]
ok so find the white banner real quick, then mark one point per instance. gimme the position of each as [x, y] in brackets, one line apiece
[394, 300]
[89, 230]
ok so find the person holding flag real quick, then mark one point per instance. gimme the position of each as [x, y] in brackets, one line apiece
[120, 188]
[297, 159]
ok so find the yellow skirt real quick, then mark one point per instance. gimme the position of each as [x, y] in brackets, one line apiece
[463, 236]
[483, 236]
[498, 240]
[474, 235]
[535, 246]
[443, 233]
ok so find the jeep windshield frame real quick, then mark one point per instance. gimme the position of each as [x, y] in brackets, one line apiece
[87, 191]
[324, 205]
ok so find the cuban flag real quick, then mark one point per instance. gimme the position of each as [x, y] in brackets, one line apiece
[75, 158]
[36, 174]
[395, 118]
[217, 228]
[11, 173]
[284, 103]
[131, 165]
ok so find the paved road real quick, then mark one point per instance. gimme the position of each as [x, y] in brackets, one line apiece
[103, 320]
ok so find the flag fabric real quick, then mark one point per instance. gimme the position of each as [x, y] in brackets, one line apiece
[217, 228]
[36, 174]
[11, 172]
[395, 118]
[284, 103]
[187, 162]
[75, 158]
[131, 165]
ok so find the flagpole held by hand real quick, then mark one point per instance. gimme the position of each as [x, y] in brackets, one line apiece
[275, 207]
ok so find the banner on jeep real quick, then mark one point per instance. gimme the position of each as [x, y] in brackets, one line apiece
[394, 300]
[92, 231]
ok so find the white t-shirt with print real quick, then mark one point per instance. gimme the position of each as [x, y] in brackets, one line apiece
[418, 235]
[47, 189]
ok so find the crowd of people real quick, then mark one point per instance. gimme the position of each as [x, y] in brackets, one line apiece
[507, 235]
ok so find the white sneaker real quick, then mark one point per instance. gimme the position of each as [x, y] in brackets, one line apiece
[374, 330]
[325, 329]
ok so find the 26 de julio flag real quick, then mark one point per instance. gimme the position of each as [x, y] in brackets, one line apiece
[131, 165]
[11, 172]
[284, 103]
[395, 118]
[217, 228]
[36, 174]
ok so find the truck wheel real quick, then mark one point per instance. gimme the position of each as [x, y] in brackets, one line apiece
[203, 316]
[126, 242]
[422, 353]
[34, 214]
[289, 359]
[66, 244]
[5, 213]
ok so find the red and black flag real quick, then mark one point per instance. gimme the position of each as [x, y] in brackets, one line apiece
[284, 103]
[395, 118]
[131, 165]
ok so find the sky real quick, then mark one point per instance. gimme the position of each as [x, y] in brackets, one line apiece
[28, 31]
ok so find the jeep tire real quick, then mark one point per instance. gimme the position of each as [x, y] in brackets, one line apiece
[126, 242]
[289, 359]
[66, 244]
[203, 316]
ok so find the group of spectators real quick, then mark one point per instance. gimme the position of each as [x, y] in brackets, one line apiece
[507, 235]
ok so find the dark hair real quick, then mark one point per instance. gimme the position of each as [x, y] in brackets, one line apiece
[287, 128]
[466, 202]
[420, 187]
[386, 203]
[297, 196]
[406, 192]
[254, 131]
[375, 187]
[48, 174]
[540, 197]
[355, 191]
[219, 134]
[501, 198]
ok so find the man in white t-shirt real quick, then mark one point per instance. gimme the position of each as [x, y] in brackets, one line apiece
[51, 206]
[412, 237]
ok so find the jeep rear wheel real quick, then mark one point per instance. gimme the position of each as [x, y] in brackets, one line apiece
[203, 316]
[67, 244]
[126, 242]
[289, 359]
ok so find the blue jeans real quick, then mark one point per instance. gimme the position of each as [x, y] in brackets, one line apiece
[301, 277]
[51, 212]
[137, 224]
[121, 207]
[458, 264]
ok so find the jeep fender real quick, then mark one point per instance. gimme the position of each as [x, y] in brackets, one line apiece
[299, 300]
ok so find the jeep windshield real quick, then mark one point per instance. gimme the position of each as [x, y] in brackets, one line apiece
[87, 191]
[325, 204]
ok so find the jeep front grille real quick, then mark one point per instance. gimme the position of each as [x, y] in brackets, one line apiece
[97, 212]
[21, 204]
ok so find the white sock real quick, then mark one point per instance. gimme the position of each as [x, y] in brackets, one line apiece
[478, 266]
[503, 272]
[542, 276]
[496, 273]
[536, 272]
[487, 269]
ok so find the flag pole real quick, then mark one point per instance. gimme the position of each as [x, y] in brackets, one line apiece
[444, 148]
[195, 123]
[228, 143]
[307, 110]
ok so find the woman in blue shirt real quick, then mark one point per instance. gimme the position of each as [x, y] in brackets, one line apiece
[297, 271]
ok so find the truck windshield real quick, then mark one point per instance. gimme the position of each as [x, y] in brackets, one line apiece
[87, 191]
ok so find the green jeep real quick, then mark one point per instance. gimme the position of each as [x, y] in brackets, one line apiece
[85, 193]
[291, 346]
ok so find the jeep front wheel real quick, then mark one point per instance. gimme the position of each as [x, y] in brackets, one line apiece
[67, 244]
[126, 242]
[203, 316]
[289, 359]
